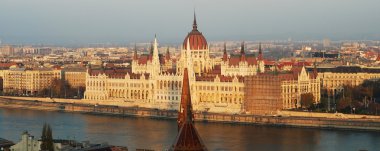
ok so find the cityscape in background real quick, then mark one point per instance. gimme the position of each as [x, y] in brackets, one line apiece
[318, 84]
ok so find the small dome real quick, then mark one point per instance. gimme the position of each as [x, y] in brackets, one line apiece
[196, 39]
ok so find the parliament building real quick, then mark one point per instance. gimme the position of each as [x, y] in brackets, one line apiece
[154, 80]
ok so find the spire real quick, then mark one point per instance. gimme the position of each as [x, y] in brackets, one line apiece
[260, 52]
[195, 26]
[185, 111]
[155, 43]
[135, 53]
[225, 48]
[242, 53]
[260, 56]
[225, 57]
[242, 48]
[187, 138]
[155, 55]
[167, 56]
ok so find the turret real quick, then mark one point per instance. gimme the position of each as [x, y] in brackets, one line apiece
[242, 53]
[225, 56]
[135, 57]
[260, 56]
[195, 26]
[156, 69]
[155, 51]
[167, 56]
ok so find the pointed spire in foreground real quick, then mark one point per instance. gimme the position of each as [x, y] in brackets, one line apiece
[188, 138]
[185, 106]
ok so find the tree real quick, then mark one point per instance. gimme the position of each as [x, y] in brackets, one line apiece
[307, 99]
[62, 89]
[47, 139]
[344, 105]
[324, 103]
[57, 87]
[374, 108]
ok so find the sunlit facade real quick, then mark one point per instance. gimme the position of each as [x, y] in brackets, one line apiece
[154, 81]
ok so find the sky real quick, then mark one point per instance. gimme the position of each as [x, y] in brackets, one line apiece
[129, 21]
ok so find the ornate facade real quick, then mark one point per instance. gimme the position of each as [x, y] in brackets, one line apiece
[335, 78]
[153, 62]
[242, 64]
[267, 93]
[302, 83]
[154, 81]
[195, 44]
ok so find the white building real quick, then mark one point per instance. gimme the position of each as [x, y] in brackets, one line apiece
[29, 143]
[155, 81]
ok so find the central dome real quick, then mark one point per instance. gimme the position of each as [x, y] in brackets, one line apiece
[196, 40]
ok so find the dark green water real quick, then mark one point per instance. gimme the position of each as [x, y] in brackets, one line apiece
[159, 134]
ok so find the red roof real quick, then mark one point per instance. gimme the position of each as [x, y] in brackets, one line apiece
[7, 65]
[269, 62]
[235, 60]
[143, 59]
[188, 138]
[117, 73]
[294, 64]
[222, 78]
[196, 40]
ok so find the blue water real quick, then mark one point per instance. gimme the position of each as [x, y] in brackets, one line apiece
[160, 134]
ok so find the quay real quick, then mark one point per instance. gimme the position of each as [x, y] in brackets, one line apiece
[283, 118]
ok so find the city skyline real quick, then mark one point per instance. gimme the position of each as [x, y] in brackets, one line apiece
[195, 75]
[84, 22]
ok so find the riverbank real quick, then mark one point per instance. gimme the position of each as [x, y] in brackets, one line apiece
[283, 118]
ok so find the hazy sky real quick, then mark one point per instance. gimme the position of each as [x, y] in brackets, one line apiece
[126, 21]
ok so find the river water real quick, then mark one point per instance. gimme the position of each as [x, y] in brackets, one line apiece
[159, 134]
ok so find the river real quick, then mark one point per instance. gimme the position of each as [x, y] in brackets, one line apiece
[159, 134]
